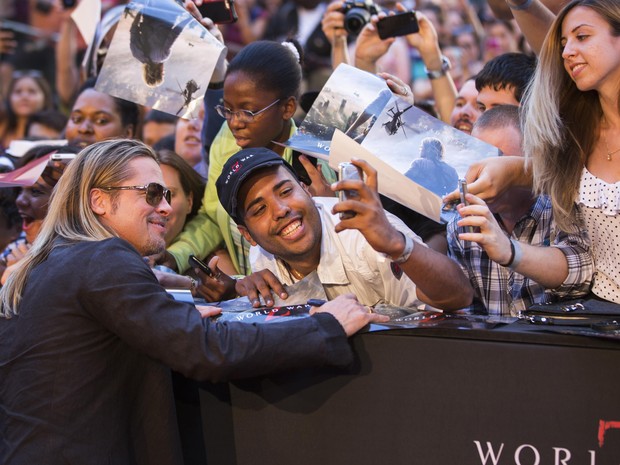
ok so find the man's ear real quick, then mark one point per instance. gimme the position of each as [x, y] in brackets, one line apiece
[290, 107]
[306, 188]
[246, 234]
[99, 201]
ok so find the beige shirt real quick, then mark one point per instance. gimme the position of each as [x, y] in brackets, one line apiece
[349, 264]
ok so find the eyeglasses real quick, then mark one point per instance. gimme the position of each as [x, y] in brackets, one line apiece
[154, 192]
[243, 116]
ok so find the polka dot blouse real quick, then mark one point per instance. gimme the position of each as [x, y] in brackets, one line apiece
[600, 203]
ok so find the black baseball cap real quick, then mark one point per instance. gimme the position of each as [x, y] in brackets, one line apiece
[240, 167]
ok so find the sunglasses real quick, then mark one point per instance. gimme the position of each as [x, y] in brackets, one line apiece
[243, 116]
[154, 192]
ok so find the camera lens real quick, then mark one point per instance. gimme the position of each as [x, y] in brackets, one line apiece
[355, 19]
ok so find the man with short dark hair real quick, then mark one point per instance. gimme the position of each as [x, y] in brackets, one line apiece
[371, 254]
[503, 80]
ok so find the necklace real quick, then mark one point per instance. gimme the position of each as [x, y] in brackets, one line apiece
[294, 273]
[609, 153]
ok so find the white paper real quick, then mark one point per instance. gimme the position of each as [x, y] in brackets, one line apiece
[86, 16]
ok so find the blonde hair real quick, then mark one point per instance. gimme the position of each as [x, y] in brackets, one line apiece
[560, 122]
[70, 218]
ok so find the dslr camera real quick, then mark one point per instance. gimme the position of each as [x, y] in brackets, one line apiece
[357, 14]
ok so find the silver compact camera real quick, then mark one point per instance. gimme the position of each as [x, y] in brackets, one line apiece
[348, 170]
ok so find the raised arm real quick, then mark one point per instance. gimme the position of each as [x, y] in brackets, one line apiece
[566, 266]
[333, 28]
[444, 90]
[534, 17]
[439, 280]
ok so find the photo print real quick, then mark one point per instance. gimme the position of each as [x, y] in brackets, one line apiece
[160, 57]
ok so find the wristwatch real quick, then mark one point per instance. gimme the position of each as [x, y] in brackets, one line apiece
[445, 67]
[404, 256]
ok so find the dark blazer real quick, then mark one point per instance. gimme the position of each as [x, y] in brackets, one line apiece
[84, 367]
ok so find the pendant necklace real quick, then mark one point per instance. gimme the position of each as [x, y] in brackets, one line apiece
[609, 154]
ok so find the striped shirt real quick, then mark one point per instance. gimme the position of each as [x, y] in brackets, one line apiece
[503, 292]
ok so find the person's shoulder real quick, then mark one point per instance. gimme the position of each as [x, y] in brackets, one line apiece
[106, 248]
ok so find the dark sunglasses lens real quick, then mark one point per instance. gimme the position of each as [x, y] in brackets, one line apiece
[154, 194]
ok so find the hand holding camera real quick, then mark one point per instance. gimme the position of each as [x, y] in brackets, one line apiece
[363, 210]
[357, 14]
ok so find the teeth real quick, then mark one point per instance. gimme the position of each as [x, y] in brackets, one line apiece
[291, 228]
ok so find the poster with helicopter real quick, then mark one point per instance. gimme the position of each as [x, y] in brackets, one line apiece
[350, 101]
[160, 57]
[426, 150]
[412, 143]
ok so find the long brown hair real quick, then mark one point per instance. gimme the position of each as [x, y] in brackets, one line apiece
[561, 123]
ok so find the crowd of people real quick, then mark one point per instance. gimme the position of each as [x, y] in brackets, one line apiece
[88, 334]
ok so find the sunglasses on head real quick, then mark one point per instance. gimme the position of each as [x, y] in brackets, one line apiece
[33, 73]
[154, 192]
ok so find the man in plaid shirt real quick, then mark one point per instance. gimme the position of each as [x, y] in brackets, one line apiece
[523, 217]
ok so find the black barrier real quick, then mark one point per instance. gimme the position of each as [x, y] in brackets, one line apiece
[434, 397]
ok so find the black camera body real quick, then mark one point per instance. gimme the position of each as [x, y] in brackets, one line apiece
[357, 14]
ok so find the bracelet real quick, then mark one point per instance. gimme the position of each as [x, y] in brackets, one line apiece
[516, 254]
[193, 284]
[406, 251]
[524, 6]
[445, 67]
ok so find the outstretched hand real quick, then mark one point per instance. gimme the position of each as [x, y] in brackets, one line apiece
[207, 311]
[351, 314]
[491, 177]
[489, 235]
[261, 284]
[217, 287]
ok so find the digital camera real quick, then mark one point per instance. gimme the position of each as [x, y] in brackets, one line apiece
[357, 14]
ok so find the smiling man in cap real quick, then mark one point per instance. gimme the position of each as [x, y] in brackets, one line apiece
[372, 254]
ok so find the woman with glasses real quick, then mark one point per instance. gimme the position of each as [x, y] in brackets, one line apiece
[261, 88]
[28, 93]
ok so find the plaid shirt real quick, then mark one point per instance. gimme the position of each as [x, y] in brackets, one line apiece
[501, 291]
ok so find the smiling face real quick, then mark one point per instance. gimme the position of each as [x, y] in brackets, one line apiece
[181, 202]
[465, 112]
[281, 217]
[94, 117]
[242, 93]
[26, 97]
[127, 213]
[32, 203]
[187, 141]
[591, 53]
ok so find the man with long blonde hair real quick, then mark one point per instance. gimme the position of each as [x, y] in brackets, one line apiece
[88, 335]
